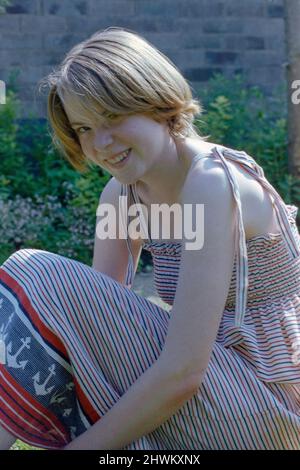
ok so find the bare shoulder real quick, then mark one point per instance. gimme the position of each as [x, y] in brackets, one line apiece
[206, 178]
[257, 204]
[209, 176]
[208, 186]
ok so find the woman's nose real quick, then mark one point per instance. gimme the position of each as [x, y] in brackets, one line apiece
[102, 139]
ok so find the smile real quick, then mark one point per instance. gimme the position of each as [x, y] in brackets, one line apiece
[120, 159]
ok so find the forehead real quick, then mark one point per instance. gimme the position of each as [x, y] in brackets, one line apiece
[81, 109]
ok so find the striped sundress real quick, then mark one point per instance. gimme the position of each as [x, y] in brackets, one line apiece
[73, 341]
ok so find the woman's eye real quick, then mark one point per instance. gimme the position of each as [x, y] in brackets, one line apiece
[79, 129]
[111, 116]
[83, 129]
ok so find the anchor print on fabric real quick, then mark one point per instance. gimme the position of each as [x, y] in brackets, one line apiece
[73, 430]
[67, 412]
[40, 388]
[61, 400]
[3, 335]
[12, 359]
[32, 362]
[59, 397]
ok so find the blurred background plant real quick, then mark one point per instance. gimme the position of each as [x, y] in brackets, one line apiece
[244, 118]
[3, 5]
[46, 204]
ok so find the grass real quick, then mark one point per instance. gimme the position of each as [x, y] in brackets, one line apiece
[19, 445]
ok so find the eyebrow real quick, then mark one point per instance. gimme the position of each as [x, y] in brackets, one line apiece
[82, 123]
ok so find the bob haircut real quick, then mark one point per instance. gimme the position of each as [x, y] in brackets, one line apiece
[118, 72]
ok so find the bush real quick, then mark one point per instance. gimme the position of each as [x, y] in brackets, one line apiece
[243, 118]
[44, 223]
[3, 5]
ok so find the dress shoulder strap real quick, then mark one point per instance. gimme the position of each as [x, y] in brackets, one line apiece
[281, 209]
[143, 218]
[250, 165]
[130, 196]
[125, 202]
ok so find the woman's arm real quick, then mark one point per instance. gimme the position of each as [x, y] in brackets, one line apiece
[111, 256]
[205, 274]
[201, 293]
[148, 403]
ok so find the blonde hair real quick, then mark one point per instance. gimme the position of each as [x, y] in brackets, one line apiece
[118, 71]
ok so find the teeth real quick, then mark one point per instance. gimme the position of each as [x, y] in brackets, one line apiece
[119, 157]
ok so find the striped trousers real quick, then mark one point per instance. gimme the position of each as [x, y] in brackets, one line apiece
[75, 341]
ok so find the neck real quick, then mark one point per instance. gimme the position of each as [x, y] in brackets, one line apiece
[164, 181]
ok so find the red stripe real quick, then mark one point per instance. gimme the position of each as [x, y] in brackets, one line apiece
[37, 414]
[45, 332]
[86, 405]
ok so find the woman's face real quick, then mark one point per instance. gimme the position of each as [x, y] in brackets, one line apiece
[101, 141]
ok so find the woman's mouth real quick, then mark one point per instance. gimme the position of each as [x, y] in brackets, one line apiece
[120, 160]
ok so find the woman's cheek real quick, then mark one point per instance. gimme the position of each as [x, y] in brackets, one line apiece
[86, 148]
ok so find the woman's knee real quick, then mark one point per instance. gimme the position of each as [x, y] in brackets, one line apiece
[32, 257]
[22, 256]
[32, 268]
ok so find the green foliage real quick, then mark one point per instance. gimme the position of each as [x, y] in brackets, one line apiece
[243, 118]
[12, 162]
[20, 445]
[3, 5]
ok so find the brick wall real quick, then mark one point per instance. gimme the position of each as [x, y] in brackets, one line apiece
[200, 36]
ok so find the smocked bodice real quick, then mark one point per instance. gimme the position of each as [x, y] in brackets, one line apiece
[270, 271]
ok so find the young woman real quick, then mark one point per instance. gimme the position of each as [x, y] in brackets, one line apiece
[88, 363]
